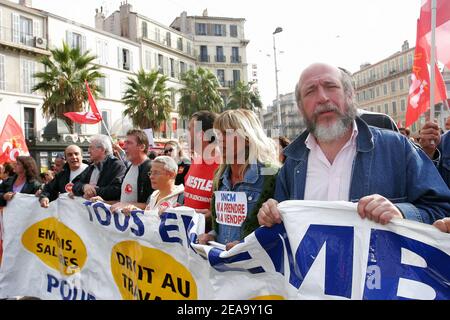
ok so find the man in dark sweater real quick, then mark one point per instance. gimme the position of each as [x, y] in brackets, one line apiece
[104, 176]
[136, 187]
[62, 183]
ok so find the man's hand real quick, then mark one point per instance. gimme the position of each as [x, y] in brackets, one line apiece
[443, 225]
[205, 238]
[269, 214]
[44, 202]
[89, 191]
[430, 132]
[8, 196]
[230, 245]
[38, 193]
[118, 206]
[378, 209]
[96, 199]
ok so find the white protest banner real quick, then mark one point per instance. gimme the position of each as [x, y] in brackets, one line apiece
[78, 250]
[149, 133]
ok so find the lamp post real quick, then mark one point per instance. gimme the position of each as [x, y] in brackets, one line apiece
[280, 128]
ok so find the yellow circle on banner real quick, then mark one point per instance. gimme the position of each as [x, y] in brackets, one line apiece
[56, 245]
[143, 273]
[274, 297]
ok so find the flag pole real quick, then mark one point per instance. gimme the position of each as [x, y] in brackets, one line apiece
[433, 58]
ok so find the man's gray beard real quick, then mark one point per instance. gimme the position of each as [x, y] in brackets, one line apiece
[324, 133]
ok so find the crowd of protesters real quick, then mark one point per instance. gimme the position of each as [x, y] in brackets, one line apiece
[343, 155]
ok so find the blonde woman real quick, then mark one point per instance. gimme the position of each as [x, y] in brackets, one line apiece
[245, 179]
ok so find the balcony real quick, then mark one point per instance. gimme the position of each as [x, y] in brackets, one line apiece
[221, 58]
[236, 59]
[203, 58]
[23, 41]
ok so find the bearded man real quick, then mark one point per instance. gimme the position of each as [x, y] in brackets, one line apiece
[340, 157]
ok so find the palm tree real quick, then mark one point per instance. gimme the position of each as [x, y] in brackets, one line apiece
[244, 97]
[148, 100]
[201, 92]
[63, 81]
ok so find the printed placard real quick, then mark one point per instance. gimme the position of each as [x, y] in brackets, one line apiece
[231, 208]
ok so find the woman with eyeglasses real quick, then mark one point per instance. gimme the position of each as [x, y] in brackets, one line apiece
[174, 150]
[166, 195]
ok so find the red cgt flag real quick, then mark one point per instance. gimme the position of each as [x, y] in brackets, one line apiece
[442, 29]
[88, 117]
[419, 91]
[12, 141]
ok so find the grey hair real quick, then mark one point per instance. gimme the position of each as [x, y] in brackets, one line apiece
[347, 84]
[102, 141]
[168, 162]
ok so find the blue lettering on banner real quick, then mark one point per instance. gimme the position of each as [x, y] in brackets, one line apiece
[105, 220]
[339, 255]
[229, 197]
[67, 291]
[220, 264]
[386, 253]
[164, 228]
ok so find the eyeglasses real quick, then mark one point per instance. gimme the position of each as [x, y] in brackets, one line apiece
[166, 151]
[154, 173]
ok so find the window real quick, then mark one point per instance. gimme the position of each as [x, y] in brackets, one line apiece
[410, 61]
[378, 91]
[394, 107]
[200, 29]
[378, 108]
[29, 123]
[236, 76]
[157, 35]
[182, 67]
[219, 54]
[385, 71]
[220, 30]
[401, 85]
[400, 64]
[386, 108]
[2, 73]
[189, 47]
[204, 54]
[393, 86]
[235, 58]
[103, 86]
[148, 60]
[385, 89]
[168, 39]
[105, 116]
[76, 40]
[233, 31]
[102, 51]
[221, 77]
[180, 44]
[144, 30]
[403, 105]
[172, 68]
[125, 59]
[160, 63]
[26, 31]
[27, 70]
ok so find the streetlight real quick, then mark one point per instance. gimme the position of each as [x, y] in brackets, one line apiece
[280, 128]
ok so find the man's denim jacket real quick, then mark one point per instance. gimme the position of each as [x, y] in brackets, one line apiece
[385, 164]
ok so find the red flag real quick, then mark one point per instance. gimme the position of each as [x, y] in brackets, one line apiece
[442, 29]
[12, 141]
[88, 117]
[419, 91]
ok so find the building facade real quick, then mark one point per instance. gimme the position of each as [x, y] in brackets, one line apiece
[291, 120]
[219, 46]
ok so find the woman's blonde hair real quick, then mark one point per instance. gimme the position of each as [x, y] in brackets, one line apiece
[245, 125]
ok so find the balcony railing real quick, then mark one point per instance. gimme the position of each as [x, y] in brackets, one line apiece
[220, 58]
[203, 58]
[236, 59]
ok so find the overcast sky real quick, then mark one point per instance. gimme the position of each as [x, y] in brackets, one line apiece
[344, 33]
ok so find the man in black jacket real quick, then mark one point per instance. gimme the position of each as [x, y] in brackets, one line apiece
[104, 176]
[62, 183]
[136, 187]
